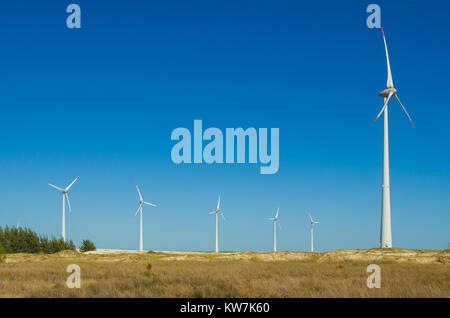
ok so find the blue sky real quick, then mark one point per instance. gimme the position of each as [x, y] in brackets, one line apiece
[102, 101]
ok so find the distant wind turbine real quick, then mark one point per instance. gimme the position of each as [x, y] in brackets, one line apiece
[141, 203]
[217, 211]
[65, 197]
[275, 222]
[385, 233]
[312, 231]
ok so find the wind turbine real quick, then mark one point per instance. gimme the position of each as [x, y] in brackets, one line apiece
[312, 231]
[65, 197]
[141, 203]
[386, 235]
[275, 222]
[217, 211]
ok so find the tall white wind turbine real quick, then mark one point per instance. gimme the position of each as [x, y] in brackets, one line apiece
[65, 197]
[385, 234]
[217, 211]
[275, 222]
[141, 204]
[312, 231]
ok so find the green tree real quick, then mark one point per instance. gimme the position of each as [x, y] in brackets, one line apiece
[24, 240]
[2, 254]
[87, 246]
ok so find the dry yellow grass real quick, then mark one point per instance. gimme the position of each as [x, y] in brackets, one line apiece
[404, 273]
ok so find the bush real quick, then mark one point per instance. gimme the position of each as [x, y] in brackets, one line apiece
[148, 271]
[87, 246]
[2, 255]
[24, 240]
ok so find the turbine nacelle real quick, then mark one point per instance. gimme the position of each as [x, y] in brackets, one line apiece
[386, 92]
[213, 212]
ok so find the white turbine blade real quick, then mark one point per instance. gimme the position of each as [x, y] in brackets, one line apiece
[384, 106]
[67, 189]
[276, 215]
[389, 82]
[271, 219]
[279, 225]
[58, 188]
[310, 217]
[218, 203]
[223, 217]
[316, 222]
[140, 205]
[213, 212]
[148, 203]
[140, 196]
[398, 100]
[68, 203]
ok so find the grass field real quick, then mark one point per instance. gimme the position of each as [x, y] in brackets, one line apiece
[342, 273]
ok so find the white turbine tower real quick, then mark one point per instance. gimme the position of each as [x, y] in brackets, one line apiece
[141, 203]
[386, 235]
[275, 222]
[312, 231]
[217, 211]
[65, 197]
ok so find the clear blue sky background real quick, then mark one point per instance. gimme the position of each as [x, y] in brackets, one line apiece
[101, 103]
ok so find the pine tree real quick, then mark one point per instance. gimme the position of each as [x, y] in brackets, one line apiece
[24, 240]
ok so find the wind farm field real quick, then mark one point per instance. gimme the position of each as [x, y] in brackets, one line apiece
[116, 273]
